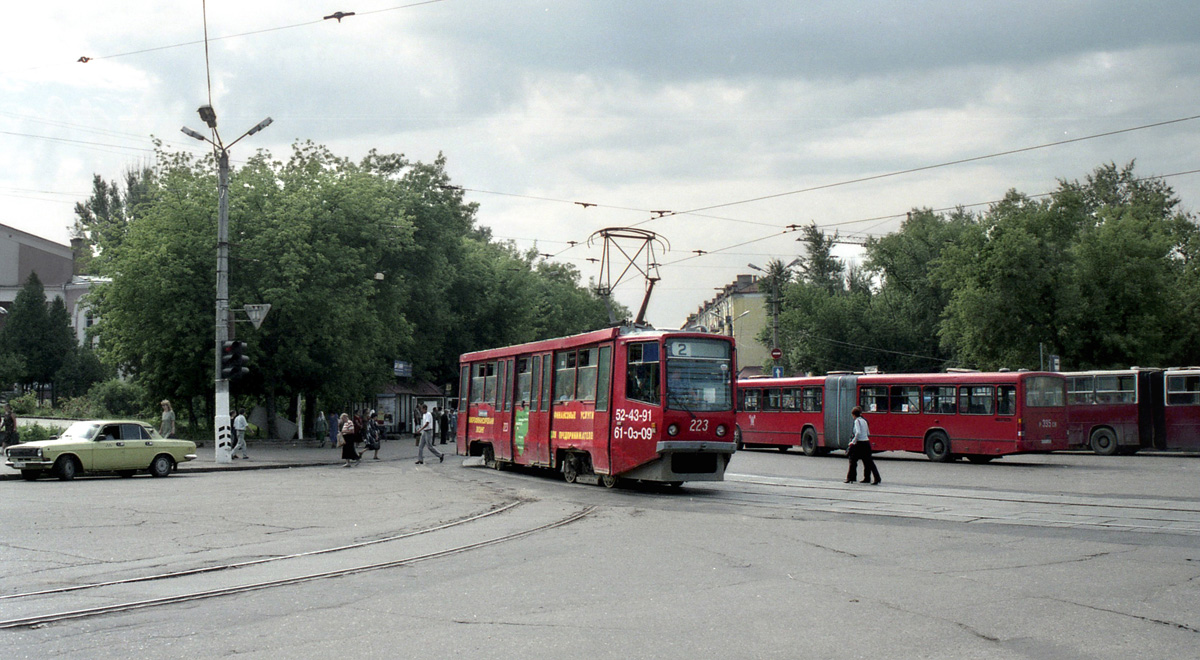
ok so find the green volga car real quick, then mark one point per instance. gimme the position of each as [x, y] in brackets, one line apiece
[120, 446]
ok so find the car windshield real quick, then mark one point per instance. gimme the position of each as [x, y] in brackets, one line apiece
[81, 430]
[698, 375]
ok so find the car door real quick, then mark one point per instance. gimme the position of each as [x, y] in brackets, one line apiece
[108, 449]
[139, 447]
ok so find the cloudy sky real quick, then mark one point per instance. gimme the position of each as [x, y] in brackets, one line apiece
[740, 117]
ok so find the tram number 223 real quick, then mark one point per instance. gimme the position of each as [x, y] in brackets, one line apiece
[699, 425]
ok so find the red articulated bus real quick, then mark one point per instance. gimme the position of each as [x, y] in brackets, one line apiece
[946, 415]
[619, 403]
[1122, 411]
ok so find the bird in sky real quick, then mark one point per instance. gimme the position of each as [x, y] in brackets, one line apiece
[85, 59]
[339, 15]
[585, 204]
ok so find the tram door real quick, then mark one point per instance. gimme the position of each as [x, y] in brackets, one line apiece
[841, 395]
[534, 447]
[601, 419]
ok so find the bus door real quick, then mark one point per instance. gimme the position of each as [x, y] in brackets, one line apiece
[1182, 411]
[1152, 422]
[841, 395]
[535, 449]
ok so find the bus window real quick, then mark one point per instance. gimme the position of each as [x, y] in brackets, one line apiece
[750, 400]
[642, 373]
[939, 400]
[1006, 400]
[603, 378]
[791, 399]
[1116, 389]
[524, 381]
[811, 401]
[1183, 391]
[1044, 392]
[905, 399]
[586, 387]
[873, 398]
[1080, 390]
[772, 399]
[564, 376]
[976, 399]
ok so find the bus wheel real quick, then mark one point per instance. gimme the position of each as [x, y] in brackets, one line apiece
[1104, 442]
[937, 447]
[980, 458]
[808, 442]
[737, 438]
[570, 470]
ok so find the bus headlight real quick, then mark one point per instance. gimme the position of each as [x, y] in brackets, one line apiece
[720, 430]
[673, 430]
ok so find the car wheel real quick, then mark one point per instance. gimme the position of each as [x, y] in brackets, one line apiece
[937, 447]
[161, 465]
[30, 475]
[66, 467]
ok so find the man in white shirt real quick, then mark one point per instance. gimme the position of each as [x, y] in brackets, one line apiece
[239, 429]
[860, 449]
[426, 431]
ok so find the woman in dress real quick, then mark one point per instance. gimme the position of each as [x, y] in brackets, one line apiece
[346, 429]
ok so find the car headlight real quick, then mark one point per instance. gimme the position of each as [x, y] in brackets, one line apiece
[720, 430]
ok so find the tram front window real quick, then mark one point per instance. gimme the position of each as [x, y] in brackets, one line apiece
[699, 376]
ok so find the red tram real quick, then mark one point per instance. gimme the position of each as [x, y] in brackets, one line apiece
[945, 415]
[622, 402]
[1122, 411]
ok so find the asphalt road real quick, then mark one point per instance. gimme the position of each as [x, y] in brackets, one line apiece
[1062, 556]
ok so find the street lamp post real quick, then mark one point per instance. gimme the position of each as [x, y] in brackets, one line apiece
[224, 435]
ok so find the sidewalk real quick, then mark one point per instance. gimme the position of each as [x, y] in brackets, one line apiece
[279, 454]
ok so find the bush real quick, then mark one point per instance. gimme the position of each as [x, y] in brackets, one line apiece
[34, 432]
[117, 397]
[80, 407]
[26, 404]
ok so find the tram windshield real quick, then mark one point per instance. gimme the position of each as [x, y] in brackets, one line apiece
[699, 375]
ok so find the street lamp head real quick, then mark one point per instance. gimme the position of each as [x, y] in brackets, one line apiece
[193, 134]
[756, 268]
[261, 125]
[208, 115]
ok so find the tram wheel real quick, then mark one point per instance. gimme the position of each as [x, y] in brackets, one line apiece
[570, 470]
[808, 442]
[937, 447]
[608, 480]
[1104, 442]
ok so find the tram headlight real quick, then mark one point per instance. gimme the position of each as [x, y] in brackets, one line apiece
[720, 430]
[673, 430]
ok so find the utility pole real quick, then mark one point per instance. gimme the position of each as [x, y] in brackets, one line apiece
[221, 427]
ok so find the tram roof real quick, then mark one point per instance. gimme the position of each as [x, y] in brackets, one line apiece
[584, 339]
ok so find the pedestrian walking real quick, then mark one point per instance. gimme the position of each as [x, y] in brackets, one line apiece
[321, 428]
[860, 449]
[371, 434]
[334, 431]
[346, 440]
[167, 428]
[426, 431]
[239, 430]
[454, 426]
[8, 428]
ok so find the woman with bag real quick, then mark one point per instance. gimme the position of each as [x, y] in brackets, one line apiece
[346, 440]
[371, 434]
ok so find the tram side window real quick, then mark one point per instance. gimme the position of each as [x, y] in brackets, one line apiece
[500, 389]
[642, 373]
[524, 381]
[489, 382]
[538, 384]
[976, 399]
[772, 400]
[811, 402]
[1116, 389]
[873, 398]
[750, 400]
[564, 376]
[906, 399]
[464, 383]
[547, 372]
[586, 388]
[603, 378]
[939, 400]
[1183, 390]
[1006, 400]
[478, 382]
[791, 399]
[1080, 390]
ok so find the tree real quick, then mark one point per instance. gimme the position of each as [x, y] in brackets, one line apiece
[26, 331]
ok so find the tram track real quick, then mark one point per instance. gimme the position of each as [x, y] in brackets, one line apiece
[55, 617]
[257, 562]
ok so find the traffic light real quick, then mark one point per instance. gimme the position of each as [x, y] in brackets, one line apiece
[233, 362]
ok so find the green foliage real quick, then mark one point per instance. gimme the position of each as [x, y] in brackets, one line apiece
[80, 407]
[26, 404]
[37, 432]
[26, 331]
[117, 398]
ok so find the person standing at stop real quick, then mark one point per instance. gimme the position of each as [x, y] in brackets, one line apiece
[860, 449]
